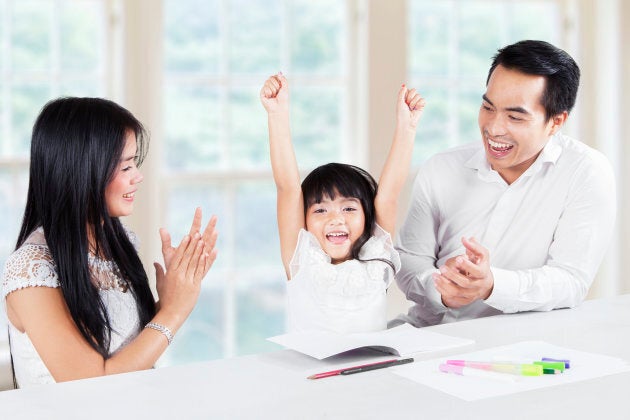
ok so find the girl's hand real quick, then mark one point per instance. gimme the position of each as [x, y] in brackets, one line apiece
[409, 107]
[178, 288]
[274, 94]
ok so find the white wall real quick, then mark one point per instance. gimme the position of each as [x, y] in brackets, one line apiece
[599, 52]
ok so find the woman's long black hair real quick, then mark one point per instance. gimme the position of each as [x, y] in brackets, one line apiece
[76, 147]
[348, 181]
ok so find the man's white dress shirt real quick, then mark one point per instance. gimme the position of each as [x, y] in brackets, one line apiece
[547, 232]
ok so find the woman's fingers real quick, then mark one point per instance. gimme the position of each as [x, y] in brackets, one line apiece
[196, 223]
[159, 272]
[210, 233]
[196, 253]
[196, 260]
[165, 237]
[191, 247]
[179, 253]
[209, 260]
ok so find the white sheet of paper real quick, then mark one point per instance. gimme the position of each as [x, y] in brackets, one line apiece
[583, 366]
[402, 340]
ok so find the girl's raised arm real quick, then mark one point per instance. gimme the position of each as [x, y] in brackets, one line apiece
[274, 96]
[408, 110]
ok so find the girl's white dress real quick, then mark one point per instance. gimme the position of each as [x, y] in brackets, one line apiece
[31, 265]
[348, 297]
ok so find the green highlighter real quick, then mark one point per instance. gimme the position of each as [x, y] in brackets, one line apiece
[551, 367]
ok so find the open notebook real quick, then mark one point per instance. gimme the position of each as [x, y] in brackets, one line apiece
[403, 340]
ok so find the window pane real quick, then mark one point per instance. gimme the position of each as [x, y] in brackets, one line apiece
[468, 104]
[544, 13]
[433, 131]
[192, 116]
[78, 86]
[429, 37]
[13, 183]
[256, 36]
[248, 130]
[260, 294]
[78, 20]
[258, 243]
[318, 45]
[192, 38]
[202, 335]
[316, 124]
[480, 33]
[30, 37]
[26, 102]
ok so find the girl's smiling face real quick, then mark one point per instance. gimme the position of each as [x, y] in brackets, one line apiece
[337, 224]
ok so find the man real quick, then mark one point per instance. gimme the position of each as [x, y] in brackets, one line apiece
[520, 221]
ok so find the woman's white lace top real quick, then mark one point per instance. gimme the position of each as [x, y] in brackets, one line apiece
[346, 298]
[32, 266]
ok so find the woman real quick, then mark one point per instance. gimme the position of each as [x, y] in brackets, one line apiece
[77, 295]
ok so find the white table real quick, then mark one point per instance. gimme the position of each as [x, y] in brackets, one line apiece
[273, 385]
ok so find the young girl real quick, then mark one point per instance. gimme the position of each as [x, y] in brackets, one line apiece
[339, 268]
[77, 296]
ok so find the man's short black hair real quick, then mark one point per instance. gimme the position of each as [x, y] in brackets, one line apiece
[540, 58]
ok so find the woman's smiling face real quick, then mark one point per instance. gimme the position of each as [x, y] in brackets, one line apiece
[120, 192]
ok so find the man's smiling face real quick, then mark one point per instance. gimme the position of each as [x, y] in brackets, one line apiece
[513, 122]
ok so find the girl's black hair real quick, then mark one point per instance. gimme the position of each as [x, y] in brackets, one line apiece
[348, 181]
[76, 147]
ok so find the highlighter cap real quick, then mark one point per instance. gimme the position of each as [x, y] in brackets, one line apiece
[552, 365]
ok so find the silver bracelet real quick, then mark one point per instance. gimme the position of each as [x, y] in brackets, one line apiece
[161, 328]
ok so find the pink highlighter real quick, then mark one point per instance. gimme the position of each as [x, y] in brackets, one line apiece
[521, 369]
[479, 373]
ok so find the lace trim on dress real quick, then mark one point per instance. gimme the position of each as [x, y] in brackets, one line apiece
[29, 266]
[351, 284]
[106, 275]
[32, 265]
[378, 246]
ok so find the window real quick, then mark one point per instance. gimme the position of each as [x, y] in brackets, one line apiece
[48, 49]
[213, 150]
[450, 47]
[217, 54]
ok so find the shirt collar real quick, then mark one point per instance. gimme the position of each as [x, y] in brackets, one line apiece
[550, 154]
